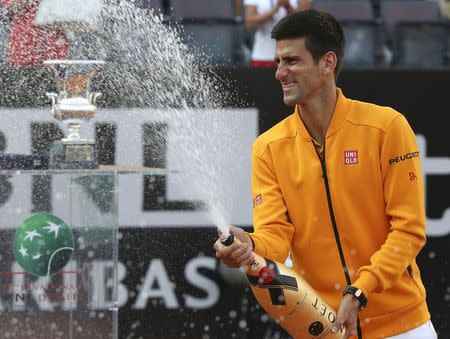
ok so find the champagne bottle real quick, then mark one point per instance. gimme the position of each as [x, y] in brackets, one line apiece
[289, 299]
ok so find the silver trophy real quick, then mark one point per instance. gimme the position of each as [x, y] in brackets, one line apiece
[72, 105]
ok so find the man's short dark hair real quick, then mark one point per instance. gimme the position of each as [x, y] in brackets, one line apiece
[321, 31]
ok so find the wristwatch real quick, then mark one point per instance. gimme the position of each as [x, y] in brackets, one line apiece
[358, 293]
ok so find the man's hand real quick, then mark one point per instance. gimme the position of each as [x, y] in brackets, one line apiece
[347, 316]
[281, 3]
[239, 253]
[303, 5]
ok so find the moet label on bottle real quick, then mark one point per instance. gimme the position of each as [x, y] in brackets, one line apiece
[291, 301]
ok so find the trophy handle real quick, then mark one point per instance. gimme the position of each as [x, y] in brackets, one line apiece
[52, 96]
[94, 96]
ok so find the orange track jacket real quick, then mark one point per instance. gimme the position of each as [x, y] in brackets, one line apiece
[357, 216]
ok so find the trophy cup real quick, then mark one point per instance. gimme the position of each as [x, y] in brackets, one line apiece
[73, 104]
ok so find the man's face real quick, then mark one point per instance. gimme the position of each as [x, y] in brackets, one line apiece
[299, 75]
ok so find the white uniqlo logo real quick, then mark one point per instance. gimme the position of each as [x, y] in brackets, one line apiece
[350, 157]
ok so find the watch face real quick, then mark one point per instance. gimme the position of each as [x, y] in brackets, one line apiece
[358, 293]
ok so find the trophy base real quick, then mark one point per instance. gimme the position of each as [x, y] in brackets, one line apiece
[66, 154]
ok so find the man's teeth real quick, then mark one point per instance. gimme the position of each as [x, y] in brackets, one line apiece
[289, 85]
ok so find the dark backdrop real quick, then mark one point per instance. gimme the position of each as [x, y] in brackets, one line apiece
[420, 95]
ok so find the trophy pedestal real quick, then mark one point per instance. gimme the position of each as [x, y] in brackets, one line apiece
[80, 154]
[81, 300]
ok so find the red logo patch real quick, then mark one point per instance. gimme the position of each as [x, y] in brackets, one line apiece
[266, 275]
[350, 157]
[258, 200]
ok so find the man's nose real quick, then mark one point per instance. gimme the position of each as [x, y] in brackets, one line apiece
[280, 74]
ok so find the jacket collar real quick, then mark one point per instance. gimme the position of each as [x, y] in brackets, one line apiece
[339, 116]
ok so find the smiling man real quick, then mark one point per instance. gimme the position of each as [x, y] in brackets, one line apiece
[327, 191]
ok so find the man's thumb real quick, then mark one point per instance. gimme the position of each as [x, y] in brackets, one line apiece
[338, 324]
[219, 232]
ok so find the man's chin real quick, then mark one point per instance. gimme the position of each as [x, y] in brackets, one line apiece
[290, 101]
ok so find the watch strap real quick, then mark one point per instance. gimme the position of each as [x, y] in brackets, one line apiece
[358, 293]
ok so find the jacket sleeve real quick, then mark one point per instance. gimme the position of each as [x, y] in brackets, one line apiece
[272, 229]
[404, 198]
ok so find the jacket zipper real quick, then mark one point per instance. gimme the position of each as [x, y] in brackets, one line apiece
[333, 222]
[411, 275]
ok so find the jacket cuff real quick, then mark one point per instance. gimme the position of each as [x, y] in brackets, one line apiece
[367, 282]
[258, 245]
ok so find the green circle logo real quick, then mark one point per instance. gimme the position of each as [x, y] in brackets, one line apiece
[43, 245]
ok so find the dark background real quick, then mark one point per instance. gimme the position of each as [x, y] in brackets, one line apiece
[421, 96]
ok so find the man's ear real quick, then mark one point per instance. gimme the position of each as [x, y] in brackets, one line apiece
[329, 62]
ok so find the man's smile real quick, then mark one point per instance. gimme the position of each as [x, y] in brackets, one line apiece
[288, 85]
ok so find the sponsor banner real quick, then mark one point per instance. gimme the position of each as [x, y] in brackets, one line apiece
[206, 153]
[170, 283]
[218, 173]
[437, 168]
